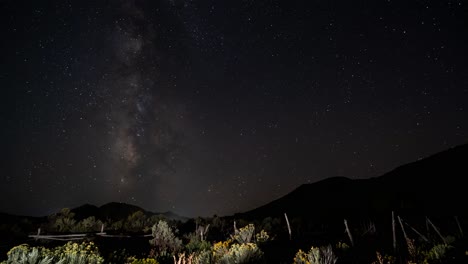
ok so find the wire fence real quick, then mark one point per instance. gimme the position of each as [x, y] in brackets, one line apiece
[81, 236]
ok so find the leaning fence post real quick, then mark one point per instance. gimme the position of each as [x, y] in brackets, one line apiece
[416, 231]
[459, 226]
[402, 228]
[38, 233]
[349, 232]
[289, 227]
[427, 227]
[437, 230]
[393, 231]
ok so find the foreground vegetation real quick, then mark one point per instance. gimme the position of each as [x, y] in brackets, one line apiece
[219, 241]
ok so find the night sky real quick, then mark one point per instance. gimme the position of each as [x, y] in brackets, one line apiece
[215, 107]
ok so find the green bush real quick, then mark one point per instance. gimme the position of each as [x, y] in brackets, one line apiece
[118, 256]
[89, 224]
[62, 221]
[164, 240]
[196, 245]
[438, 252]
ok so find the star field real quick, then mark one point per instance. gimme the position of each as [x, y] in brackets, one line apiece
[208, 107]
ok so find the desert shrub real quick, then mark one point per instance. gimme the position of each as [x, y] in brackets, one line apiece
[89, 224]
[322, 255]
[70, 253]
[23, 254]
[117, 225]
[262, 237]
[438, 252]
[301, 258]
[74, 253]
[342, 245]
[62, 221]
[385, 259]
[133, 260]
[220, 249]
[271, 225]
[202, 257]
[244, 234]
[136, 222]
[435, 254]
[219, 229]
[242, 254]
[119, 256]
[164, 239]
[197, 245]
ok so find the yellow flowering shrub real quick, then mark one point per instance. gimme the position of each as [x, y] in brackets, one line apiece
[221, 248]
[70, 253]
[25, 254]
[301, 258]
[225, 253]
[74, 253]
[322, 255]
[244, 234]
[262, 236]
[142, 261]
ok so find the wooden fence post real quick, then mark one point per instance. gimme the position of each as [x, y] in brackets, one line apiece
[416, 231]
[437, 231]
[289, 227]
[459, 226]
[349, 232]
[393, 231]
[402, 227]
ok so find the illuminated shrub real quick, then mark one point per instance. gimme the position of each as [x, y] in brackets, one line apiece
[23, 254]
[202, 257]
[164, 239]
[242, 253]
[262, 237]
[70, 253]
[74, 253]
[301, 258]
[244, 234]
[228, 253]
[322, 255]
[142, 261]
[221, 248]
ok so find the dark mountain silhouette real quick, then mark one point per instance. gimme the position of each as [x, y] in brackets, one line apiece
[433, 186]
[86, 210]
[116, 211]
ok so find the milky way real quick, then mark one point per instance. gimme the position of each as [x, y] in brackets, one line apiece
[215, 107]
